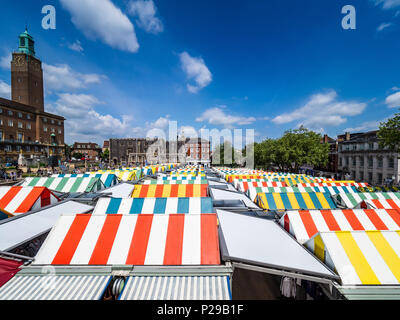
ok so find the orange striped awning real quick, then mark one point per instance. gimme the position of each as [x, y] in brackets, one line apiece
[170, 190]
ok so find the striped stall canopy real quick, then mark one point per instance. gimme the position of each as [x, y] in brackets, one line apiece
[295, 200]
[141, 239]
[189, 181]
[305, 224]
[154, 205]
[55, 287]
[360, 257]
[243, 186]
[181, 178]
[334, 184]
[379, 200]
[252, 191]
[17, 200]
[177, 288]
[170, 190]
[71, 184]
[4, 214]
[108, 179]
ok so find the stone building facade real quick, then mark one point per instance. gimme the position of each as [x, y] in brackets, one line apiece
[362, 158]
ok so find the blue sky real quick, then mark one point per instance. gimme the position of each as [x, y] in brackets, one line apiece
[118, 68]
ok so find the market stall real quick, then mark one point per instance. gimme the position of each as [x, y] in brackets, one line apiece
[173, 190]
[67, 184]
[193, 205]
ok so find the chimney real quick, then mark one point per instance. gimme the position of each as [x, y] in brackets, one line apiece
[347, 136]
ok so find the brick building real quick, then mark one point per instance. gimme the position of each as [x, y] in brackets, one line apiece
[89, 150]
[198, 151]
[25, 127]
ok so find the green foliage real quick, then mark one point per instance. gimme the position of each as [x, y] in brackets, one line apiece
[295, 148]
[389, 133]
[219, 157]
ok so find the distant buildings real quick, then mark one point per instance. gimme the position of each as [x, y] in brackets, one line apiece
[362, 159]
[87, 149]
[25, 127]
[141, 151]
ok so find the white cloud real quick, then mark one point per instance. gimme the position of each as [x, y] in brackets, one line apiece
[62, 77]
[322, 110]
[101, 19]
[393, 101]
[5, 62]
[145, 11]
[387, 4]
[365, 126]
[383, 26]
[5, 90]
[84, 122]
[76, 46]
[217, 116]
[196, 70]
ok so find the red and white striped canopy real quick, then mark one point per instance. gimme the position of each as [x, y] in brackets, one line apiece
[145, 239]
[19, 199]
[304, 224]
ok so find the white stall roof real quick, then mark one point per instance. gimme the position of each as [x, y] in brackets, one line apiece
[17, 230]
[121, 190]
[177, 288]
[261, 242]
[218, 194]
[55, 287]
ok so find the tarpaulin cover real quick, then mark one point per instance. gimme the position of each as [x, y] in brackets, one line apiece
[177, 288]
[16, 200]
[360, 257]
[123, 175]
[194, 205]
[352, 200]
[304, 224]
[8, 268]
[55, 287]
[71, 184]
[136, 239]
[170, 190]
[287, 201]
[108, 179]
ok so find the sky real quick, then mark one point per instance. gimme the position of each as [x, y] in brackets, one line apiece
[121, 68]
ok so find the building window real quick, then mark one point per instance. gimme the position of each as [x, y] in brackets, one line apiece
[10, 123]
[379, 177]
[19, 115]
[28, 116]
[53, 130]
[370, 177]
[10, 113]
[391, 162]
[44, 119]
[371, 146]
[45, 129]
[28, 148]
[52, 121]
[18, 148]
[354, 163]
[8, 148]
[20, 137]
[1, 110]
[361, 175]
[28, 126]
[20, 125]
[1, 122]
[370, 162]
[361, 161]
[59, 123]
[1, 135]
[59, 131]
[380, 162]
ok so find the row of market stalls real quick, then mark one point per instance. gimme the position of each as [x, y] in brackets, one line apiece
[188, 233]
[354, 233]
[145, 245]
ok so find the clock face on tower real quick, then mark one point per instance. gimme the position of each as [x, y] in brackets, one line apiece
[19, 61]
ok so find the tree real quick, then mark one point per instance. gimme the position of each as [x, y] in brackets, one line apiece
[77, 155]
[105, 155]
[219, 155]
[295, 148]
[389, 133]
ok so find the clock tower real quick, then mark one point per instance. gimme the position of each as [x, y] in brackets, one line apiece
[27, 74]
